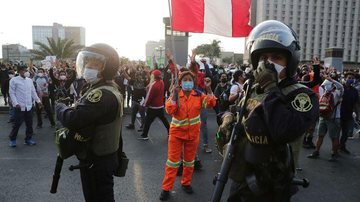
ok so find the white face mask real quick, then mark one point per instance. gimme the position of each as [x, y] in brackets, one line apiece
[278, 68]
[27, 74]
[40, 74]
[62, 77]
[90, 75]
[11, 76]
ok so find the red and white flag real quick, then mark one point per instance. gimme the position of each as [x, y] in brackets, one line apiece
[221, 17]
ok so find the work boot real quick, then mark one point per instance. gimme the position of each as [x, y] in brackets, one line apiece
[130, 126]
[187, 188]
[314, 155]
[164, 196]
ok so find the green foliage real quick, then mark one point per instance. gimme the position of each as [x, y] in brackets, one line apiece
[227, 60]
[62, 49]
[211, 50]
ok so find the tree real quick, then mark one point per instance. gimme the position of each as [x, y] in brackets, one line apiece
[210, 50]
[227, 60]
[62, 49]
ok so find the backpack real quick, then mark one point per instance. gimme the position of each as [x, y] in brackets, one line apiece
[327, 105]
[224, 98]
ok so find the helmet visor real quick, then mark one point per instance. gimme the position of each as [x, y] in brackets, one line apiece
[91, 60]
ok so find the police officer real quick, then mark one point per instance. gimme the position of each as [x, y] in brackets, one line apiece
[96, 121]
[279, 111]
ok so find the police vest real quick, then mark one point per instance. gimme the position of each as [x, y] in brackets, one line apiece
[106, 138]
[239, 168]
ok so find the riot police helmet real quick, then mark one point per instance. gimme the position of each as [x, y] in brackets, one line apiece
[101, 56]
[274, 36]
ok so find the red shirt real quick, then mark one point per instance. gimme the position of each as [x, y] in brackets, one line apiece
[155, 96]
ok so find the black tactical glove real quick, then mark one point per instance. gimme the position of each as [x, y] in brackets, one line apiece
[265, 75]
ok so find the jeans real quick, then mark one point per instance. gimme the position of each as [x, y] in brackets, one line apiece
[203, 127]
[11, 113]
[151, 114]
[20, 116]
[135, 108]
[347, 127]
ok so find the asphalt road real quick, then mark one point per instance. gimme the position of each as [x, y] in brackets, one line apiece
[26, 172]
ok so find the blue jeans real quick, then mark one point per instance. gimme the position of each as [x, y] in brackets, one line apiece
[203, 127]
[20, 117]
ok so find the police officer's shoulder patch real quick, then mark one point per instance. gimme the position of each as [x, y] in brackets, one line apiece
[94, 96]
[302, 103]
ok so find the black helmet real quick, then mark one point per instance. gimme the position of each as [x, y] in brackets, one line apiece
[104, 55]
[270, 36]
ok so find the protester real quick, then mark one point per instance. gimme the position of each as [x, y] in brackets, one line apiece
[22, 93]
[184, 130]
[154, 102]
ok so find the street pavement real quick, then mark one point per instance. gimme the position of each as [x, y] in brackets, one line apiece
[26, 171]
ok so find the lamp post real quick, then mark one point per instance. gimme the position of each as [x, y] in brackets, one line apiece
[160, 49]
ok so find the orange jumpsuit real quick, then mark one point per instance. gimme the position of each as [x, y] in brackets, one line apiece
[184, 135]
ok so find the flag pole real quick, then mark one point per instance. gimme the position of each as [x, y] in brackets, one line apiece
[173, 50]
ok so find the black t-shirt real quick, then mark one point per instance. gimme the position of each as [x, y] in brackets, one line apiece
[350, 97]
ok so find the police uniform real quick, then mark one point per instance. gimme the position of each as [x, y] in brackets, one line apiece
[96, 120]
[278, 112]
[273, 119]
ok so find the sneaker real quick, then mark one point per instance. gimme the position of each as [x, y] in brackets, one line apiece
[187, 188]
[314, 155]
[30, 142]
[12, 143]
[130, 126]
[143, 138]
[333, 158]
[343, 149]
[206, 148]
[164, 196]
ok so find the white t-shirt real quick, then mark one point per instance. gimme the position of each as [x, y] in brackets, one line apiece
[235, 88]
[338, 93]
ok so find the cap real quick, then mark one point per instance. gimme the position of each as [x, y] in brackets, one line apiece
[156, 73]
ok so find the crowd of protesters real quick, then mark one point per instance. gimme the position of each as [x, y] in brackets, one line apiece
[150, 91]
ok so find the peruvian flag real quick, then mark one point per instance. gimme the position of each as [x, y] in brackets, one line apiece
[221, 17]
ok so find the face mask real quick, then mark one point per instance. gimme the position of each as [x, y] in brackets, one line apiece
[349, 82]
[62, 77]
[40, 74]
[223, 80]
[187, 85]
[90, 75]
[278, 68]
[27, 74]
[11, 76]
[3, 69]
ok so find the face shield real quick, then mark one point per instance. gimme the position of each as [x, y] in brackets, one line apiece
[89, 60]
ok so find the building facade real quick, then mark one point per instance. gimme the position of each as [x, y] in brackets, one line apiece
[319, 24]
[15, 53]
[40, 33]
[155, 49]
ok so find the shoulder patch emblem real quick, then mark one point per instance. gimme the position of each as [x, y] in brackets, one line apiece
[302, 103]
[94, 96]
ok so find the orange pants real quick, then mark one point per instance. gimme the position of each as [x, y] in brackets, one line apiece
[175, 147]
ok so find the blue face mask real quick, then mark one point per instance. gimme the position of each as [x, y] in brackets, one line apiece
[187, 85]
[349, 82]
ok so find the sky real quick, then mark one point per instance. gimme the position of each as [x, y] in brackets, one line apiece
[124, 24]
